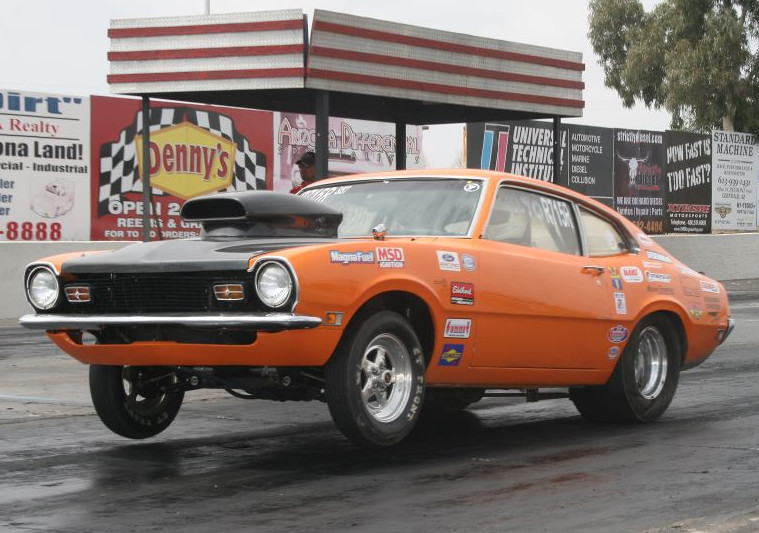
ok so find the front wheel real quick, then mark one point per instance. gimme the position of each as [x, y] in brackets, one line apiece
[374, 383]
[643, 383]
[135, 402]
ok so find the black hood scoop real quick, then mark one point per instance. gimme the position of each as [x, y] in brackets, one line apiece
[261, 214]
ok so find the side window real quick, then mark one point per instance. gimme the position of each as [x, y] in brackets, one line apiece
[601, 236]
[533, 219]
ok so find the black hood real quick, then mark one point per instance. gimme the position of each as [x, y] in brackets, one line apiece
[182, 256]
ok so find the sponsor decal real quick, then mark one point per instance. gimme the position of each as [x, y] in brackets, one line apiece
[660, 290]
[645, 239]
[618, 334]
[468, 262]
[457, 328]
[658, 277]
[462, 293]
[709, 286]
[632, 274]
[614, 352]
[649, 264]
[452, 354]
[389, 257]
[696, 312]
[616, 281]
[346, 258]
[712, 303]
[688, 271]
[471, 187]
[656, 256]
[448, 261]
[620, 303]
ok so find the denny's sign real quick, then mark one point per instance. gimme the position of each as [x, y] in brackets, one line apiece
[187, 160]
[192, 151]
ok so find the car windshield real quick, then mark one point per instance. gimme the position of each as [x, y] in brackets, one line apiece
[426, 207]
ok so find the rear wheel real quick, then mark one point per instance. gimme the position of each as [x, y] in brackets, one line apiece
[135, 402]
[643, 383]
[374, 383]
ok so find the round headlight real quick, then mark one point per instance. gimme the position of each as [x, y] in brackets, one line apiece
[274, 284]
[42, 288]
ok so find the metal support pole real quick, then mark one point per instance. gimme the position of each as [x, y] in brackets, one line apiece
[322, 134]
[557, 177]
[145, 169]
[400, 146]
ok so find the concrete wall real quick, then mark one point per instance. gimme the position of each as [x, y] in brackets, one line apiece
[723, 257]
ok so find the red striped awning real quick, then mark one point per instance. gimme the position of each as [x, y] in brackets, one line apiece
[369, 56]
[239, 51]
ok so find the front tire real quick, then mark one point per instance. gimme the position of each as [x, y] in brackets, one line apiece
[643, 383]
[374, 383]
[135, 402]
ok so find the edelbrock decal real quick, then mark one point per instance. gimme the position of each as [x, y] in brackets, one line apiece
[462, 293]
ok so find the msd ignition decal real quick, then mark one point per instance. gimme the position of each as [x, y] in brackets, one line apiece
[632, 274]
[448, 261]
[192, 152]
[452, 354]
[457, 328]
[618, 334]
[462, 293]
[390, 257]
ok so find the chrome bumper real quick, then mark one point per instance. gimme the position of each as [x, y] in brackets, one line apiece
[725, 333]
[255, 322]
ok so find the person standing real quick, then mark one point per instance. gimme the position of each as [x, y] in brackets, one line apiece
[307, 168]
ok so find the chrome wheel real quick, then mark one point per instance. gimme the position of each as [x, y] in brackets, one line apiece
[385, 378]
[651, 363]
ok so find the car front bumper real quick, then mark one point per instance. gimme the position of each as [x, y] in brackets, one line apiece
[268, 322]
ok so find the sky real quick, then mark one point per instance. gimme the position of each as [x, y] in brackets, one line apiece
[60, 46]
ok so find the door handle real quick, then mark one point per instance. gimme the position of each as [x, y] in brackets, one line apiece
[593, 270]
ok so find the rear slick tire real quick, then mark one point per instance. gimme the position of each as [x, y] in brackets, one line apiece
[130, 402]
[374, 383]
[644, 381]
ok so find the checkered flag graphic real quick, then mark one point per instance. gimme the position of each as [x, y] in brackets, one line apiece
[119, 168]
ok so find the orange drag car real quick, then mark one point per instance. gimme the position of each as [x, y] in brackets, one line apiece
[383, 294]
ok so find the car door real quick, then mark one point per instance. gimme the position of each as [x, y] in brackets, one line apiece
[543, 304]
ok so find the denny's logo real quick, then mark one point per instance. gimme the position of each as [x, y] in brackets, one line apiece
[192, 152]
[188, 161]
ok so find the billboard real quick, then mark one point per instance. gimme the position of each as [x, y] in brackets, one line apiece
[193, 150]
[524, 148]
[734, 187]
[44, 167]
[355, 146]
[688, 183]
[638, 178]
[591, 161]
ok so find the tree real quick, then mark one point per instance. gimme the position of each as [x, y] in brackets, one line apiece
[695, 58]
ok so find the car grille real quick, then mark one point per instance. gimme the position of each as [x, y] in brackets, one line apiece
[174, 292]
